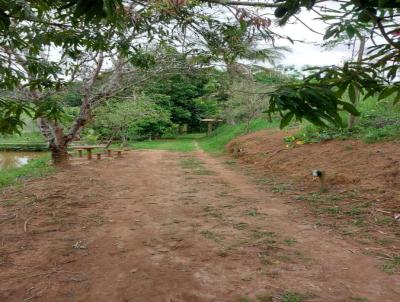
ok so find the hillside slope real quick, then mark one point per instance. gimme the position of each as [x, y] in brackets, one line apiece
[363, 180]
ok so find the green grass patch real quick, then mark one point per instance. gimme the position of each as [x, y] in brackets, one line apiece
[179, 145]
[34, 168]
[293, 297]
[211, 235]
[216, 142]
[392, 266]
[290, 241]
[27, 137]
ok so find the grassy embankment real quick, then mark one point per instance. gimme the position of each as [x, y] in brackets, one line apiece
[37, 167]
[34, 168]
[30, 141]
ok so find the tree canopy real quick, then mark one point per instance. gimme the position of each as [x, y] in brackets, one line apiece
[46, 46]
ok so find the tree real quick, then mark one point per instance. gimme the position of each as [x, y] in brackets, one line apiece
[128, 119]
[319, 97]
[103, 33]
[98, 45]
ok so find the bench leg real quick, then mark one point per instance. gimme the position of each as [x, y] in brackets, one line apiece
[89, 154]
[109, 153]
[80, 153]
[98, 156]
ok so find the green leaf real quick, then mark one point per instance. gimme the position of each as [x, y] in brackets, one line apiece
[350, 108]
[286, 119]
[388, 91]
[352, 94]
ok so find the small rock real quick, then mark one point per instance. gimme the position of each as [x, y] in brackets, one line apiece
[397, 216]
[134, 270]
[79, 245]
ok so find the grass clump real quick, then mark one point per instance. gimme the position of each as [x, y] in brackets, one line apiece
[392, 266]
[293, 297]
[211, 235]
[34, 168]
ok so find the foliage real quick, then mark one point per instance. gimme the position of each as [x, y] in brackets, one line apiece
[246, 103]
[187, 91]
[307, 101]
[79, 29]
[375, 74]
[378, 121]
[133, 119]
[11, 113]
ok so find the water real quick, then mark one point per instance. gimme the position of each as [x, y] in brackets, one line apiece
[12, 159]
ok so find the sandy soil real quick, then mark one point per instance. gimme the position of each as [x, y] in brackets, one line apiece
[164, 226]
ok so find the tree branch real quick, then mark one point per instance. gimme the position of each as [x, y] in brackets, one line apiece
[243, 3]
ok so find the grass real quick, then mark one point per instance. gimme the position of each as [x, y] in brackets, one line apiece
[215, 143]
[26, 137]
[392, 266]
[34, 168]
[293, 297]
[210, 235]
[197, 167]
[290, 241]
[32, 141]
[180, 145]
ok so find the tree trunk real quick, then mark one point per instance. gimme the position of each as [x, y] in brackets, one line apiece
[269, 117]
[57, 141]
[352, 118]
[59, 155]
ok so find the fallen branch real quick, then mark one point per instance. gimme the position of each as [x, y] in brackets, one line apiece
[273, 154]
[26, 224]
[382, 211]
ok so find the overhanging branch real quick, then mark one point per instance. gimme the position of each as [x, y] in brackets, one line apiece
[244, 3]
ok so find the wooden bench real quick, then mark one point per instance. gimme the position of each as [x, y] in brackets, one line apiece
[88, 149]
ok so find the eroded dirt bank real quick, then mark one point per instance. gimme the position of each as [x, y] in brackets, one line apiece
[162, 226]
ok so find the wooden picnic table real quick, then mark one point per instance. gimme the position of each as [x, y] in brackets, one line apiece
[88, 149]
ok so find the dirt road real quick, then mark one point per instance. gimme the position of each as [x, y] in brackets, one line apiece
[160, 226]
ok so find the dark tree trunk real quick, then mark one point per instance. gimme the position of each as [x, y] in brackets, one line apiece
[57, 141]
[59, 155]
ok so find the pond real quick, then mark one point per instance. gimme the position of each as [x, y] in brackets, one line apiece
[15, 159]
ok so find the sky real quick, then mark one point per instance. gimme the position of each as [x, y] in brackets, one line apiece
[307, 53]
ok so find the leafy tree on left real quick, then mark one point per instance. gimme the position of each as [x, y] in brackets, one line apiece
[46, 46]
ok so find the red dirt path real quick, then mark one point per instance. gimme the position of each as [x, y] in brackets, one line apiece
[145, 229]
